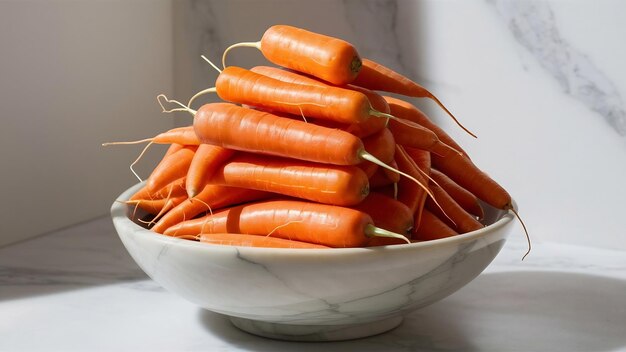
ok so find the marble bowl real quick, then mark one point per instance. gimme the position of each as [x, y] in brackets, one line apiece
[312, 294]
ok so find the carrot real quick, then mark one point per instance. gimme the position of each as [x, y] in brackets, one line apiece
[359, 129]
[405, 110]
[388, 214]
[462, 220]
[464, 172]
[432, 228]
[206, 159]
[421, 158]
[172, 167]
[233, 127]
[243, 240]
[329, 184]
[323, 224]
[381, 145]
[410, 195]
[380, 179]
[378, 77]
[331, 59]
[211, 197]
[238, 85]
[463, 197]
[155, 206]
[419, 137]
[180, 135]
[173, 189]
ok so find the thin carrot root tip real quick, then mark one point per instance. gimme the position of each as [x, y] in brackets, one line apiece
[238, 45]
[132, 166]
[162, 99]
[200, 93]
[211, 63]
[512, 209]
[106, 144]
[433, 97]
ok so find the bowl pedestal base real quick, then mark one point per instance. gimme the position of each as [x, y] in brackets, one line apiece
[291, 332]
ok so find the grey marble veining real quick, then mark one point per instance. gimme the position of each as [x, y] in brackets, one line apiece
[533, 25]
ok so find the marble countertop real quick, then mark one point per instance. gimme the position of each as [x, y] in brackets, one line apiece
[78, 290]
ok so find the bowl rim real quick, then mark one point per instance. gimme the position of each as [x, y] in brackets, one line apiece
[119, 210]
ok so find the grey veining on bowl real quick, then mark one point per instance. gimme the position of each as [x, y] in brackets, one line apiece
[312, 294]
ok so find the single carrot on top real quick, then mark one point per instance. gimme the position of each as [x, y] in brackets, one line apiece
[331, 59]
[238, 85]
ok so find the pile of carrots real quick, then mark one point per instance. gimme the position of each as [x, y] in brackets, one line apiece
[310, 153]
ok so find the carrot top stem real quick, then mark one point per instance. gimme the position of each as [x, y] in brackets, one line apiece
[369, 157]
[211, 63]
[237, 45]
[183, 107]
[373, 231]
[202, 92]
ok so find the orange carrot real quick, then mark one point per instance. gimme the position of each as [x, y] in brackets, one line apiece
[243, 240]
[419, 137]
[463, 197]
[410, 195]
[378, 77]
[463, 171]
[211, 198]
[206, 159]
[323, 224]
[238, 85]
[155, 206]
[381, 145]
[380, 178]
[388, 214]
[323, 183]
[405, 110]
[331, 59]
[432, 228]
[359, 129]
[171, 168]
[463, 221]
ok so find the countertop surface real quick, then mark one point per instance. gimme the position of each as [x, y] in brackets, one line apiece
[78, 290]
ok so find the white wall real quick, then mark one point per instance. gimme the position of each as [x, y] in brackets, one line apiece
[543, 84]
[538, 81]
[74, 74]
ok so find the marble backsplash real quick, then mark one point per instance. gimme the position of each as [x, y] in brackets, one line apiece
[541, 83]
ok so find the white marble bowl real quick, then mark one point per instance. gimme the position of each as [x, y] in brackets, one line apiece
[312, 294]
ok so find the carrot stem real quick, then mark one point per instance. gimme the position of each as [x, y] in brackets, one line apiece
[369, 157]
[511, 208]
[237, 45]
[183, 107]
[137, 160]
[211, 63]
[373, 231]
[202, 92]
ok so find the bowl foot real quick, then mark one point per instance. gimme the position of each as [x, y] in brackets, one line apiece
[292, 332]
